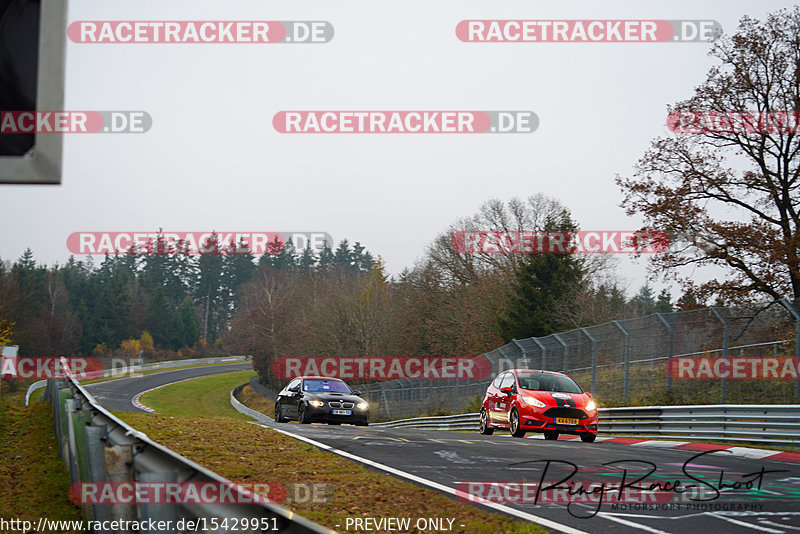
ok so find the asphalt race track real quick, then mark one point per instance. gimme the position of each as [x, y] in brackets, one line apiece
[448, 458]
[725, 485]
[118, 394]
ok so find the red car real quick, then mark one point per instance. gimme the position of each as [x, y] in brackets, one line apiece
[524, 400]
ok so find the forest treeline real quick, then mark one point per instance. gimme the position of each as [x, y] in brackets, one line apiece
[338, 302]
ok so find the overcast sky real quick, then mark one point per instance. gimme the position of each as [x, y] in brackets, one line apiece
[212, 159]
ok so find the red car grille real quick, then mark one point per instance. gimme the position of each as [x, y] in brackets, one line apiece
[572, 413]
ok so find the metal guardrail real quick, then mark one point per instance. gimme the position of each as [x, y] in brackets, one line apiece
[777, 424]
[98, 447]
[149, 367]
[774, 424]
[241, 408]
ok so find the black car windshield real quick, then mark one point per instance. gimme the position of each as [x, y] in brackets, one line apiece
[328, 386]
[545, 382]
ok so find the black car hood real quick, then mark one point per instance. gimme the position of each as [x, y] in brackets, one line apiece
[325, 396]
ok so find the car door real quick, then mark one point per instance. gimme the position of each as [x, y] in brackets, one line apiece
[505, 401]
[288, 398]
[493, 398]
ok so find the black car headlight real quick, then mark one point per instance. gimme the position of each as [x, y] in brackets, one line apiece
[362, 405]
[316, 403]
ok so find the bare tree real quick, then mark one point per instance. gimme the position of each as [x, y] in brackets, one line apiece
[729, 192]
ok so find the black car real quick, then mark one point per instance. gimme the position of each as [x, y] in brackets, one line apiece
[319, 399]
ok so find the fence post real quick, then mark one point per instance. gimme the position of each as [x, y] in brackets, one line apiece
[594, 358]
[626, 382]
[523, 351]
[544, 352]
[566, 351]
[725, 342]
[670, 345]
[796, 315]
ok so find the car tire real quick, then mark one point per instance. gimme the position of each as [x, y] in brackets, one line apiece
[549, 434]
[484, 429]
[513, 424]
[588, 438]
[302, 417]
[279, 418]
[365, 423]
[334, 423]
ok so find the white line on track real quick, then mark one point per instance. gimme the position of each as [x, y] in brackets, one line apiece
[638, 526]
[748, 525]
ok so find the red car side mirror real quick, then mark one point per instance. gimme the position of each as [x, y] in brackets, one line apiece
[506, 390]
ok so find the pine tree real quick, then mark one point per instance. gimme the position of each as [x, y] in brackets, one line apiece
[542, 283]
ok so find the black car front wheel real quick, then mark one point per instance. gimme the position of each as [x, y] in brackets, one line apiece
[279, 418]
[513, 420]
[302, 416]
[588, 438]
[485, 424]
[549, 434]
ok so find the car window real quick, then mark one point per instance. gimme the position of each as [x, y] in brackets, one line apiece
[508, 380]
[332, 386]
[546, 382]
[497, 380]
[293, 383]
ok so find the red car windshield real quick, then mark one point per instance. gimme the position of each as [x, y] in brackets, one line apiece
[545, 382]
[328, 386]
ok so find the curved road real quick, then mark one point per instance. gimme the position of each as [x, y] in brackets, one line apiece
[118, 394]
[448, 460]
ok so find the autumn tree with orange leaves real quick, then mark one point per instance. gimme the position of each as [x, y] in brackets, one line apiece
[727, 192]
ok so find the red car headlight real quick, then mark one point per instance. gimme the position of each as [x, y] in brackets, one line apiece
[533, 401]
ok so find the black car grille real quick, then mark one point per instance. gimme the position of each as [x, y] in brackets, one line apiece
[572, 413]
[339, 404]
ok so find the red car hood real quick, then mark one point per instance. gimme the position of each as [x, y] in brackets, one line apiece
[569, 400]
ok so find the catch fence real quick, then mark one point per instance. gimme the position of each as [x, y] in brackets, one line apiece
[630, 361]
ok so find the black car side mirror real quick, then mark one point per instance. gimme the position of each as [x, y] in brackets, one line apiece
[294, 389]
[356, 392]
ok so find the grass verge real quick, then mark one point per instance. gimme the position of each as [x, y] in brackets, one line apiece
[204, 396]
[211, 433]
[34, 480]
[129, 374]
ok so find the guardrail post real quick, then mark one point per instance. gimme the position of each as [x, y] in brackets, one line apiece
[70, 406]
[566, 352]
[119, 468]
[95, 435]
[670, 345]
[725, 346]
[594, 358]
[158, 511]
[626, 382]
[796, 315]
